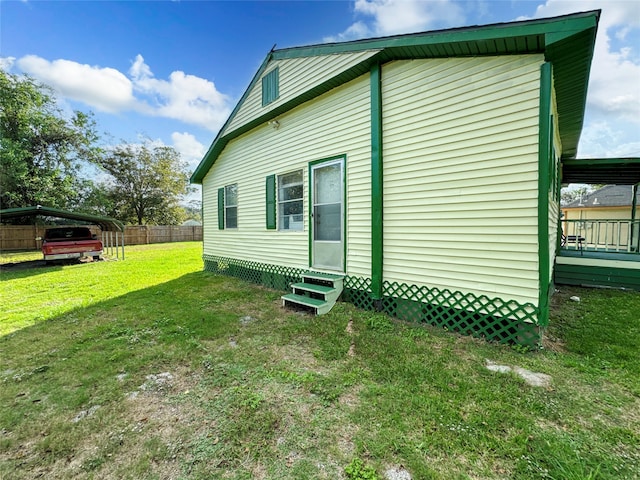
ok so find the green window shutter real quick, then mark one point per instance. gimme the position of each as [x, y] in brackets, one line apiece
[271, 202]
[221, 208]
[270, 87]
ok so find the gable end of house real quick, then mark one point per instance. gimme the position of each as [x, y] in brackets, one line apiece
[567, 42]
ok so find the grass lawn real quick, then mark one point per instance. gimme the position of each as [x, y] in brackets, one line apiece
[150, 368]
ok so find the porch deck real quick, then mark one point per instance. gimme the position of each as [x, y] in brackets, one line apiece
[599, 253]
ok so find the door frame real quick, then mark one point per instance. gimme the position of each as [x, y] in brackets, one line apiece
[343, 159]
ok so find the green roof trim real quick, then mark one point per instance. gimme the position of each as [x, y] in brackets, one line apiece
[566, 41]
[106, 223]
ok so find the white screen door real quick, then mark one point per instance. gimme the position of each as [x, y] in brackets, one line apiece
[327, 180]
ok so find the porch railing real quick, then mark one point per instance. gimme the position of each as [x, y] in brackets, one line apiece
[615, 236]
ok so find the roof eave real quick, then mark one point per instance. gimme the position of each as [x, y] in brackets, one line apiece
[566, 41]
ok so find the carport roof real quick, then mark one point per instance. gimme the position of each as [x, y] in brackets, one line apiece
[105, 223]
[608, 171]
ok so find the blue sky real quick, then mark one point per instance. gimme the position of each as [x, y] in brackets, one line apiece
[173, 70]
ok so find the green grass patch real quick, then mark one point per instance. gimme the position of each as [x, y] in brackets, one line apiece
[152, 368]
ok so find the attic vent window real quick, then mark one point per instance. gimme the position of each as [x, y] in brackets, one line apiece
[270, 87]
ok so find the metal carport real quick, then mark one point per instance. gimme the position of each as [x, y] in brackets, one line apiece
[108, 225]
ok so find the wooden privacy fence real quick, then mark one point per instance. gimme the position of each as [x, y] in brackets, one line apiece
[19, 237]
[144, 234]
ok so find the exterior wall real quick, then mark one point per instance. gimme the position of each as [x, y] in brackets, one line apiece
[297, 75]
[461, 174]
[333, 124]
[603, 213]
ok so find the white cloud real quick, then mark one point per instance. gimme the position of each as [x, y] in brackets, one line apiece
[614, 86]
[103, 88]
[602, 139]
[6, 63]
[612, 123]
[191, 150]
[183, 97]
[190, 99]
[356, 30]
[389, 17]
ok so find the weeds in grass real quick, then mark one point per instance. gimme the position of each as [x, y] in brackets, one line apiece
[357, 470]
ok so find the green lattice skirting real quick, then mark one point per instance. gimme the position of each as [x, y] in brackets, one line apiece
[478, 315]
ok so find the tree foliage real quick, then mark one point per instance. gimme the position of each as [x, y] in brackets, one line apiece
[146, 183]
[568, 195]
[41, 149]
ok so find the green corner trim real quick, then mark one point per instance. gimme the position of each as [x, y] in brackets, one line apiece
[545, 150]
[377, 250]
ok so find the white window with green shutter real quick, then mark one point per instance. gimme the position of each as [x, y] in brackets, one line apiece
[290, 202]
[286, 212]
[228, 207]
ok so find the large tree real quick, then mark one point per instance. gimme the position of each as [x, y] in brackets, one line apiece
[41, 148]
[146, 184]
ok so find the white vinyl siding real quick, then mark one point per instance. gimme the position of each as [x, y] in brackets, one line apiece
[336, 123]
[296, 76]
[461, 174]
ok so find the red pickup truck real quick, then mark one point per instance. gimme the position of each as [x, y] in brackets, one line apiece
[70, 242]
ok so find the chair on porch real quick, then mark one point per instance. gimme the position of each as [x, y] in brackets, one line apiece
[576, 239]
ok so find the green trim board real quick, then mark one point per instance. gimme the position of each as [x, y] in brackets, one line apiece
[525, 35]
[585, 253]
[590, 275]
[567, 41]
[492, 319]
[377, 178]
[545, 150]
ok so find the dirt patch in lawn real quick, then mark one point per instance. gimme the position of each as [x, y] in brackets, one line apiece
[147, 432]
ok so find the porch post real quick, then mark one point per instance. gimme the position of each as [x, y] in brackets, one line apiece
[634, 206]
[634, 201]
[376, 183]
